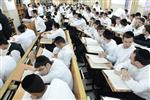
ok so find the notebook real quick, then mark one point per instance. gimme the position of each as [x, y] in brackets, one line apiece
[94, 49]
[97, 59]
[116, 81]
[89, 41]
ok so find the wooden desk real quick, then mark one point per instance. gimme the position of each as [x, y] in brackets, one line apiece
[98, 66]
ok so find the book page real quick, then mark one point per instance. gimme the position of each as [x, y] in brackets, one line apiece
[94, 49]
[97, 59]
[89, 41]
[116, 80]
[45, 41]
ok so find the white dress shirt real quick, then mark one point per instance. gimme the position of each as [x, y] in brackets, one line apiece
[140, 79]
[109, 47]
[58, 32]
[40, 10]
[7, 65]
[106, 21]
[30, 11]
[26, 38]
[122, 29]
[121, 54]
[79, 23]
[39, 24]
[65, 54]
[120, 13]
[138, 31]
[59, 70]
[57, 90]
[1, 83]
[15, 54]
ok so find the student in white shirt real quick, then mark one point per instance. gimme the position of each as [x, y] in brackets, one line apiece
[134, 17]
[1, 83]
[63, 51]
[123, 27]
[136, 73]
[80, 22]
[139, 26]
[25, 38]
[105, 20]
[7, 65]
[122, 51]
[97, 7]
[37, 89]
[108, 44]
[39, 22]
[40, 10]
[13, 49]
[56, 31]
[48, 70]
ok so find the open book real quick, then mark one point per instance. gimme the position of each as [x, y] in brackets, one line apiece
[98, 63]
[94, 49]
[89, 41]
[46, 41]
[115, 81]
[97, 59]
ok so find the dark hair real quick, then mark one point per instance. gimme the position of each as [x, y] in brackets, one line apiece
[126, 10]
[3, 40]
[105, 14]
[41, 61]
[138, 14]
[56, 25]
[22, 28]
[59, 39]
[97, 22]
[108, 34]
[124, 22]
[33, 84]
[143, 56]
[147, 28]
[79, 16]
[35, 11]
[100, 27]
[128, 34]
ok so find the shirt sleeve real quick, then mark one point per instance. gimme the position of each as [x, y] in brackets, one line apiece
[16, 55]
[137, 86]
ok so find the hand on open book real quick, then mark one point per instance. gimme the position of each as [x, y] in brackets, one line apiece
[31, 56]
[125, 75]
[102, 54]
